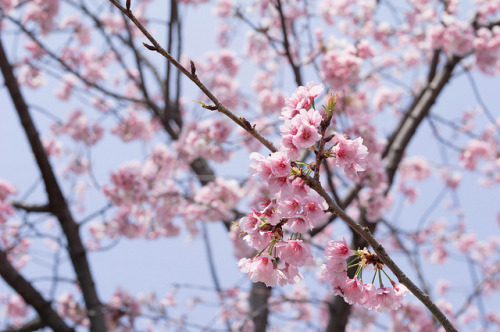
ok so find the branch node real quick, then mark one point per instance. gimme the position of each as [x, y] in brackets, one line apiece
[208, 107]
[150, 47]
[246, 123]
[127, 5]
[193, 68]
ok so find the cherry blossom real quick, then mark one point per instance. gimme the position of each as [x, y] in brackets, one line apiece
[350, 154]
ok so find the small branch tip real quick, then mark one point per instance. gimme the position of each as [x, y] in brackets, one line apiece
[150, 47]
[193, 68]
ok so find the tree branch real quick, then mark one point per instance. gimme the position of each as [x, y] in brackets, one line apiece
[286, 45]
[259, 309]
[57, 201]
[31, 207]
[31, 296]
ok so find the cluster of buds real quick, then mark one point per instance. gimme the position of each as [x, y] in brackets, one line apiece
[354, 290]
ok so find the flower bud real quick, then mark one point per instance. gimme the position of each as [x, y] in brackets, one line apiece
[331, 103]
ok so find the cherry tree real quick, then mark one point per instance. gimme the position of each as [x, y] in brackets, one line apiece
[361, 139]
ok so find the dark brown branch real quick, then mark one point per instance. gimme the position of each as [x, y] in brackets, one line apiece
[172, 108]
[329, 179]
[434, 64]
[57, 201]
[31, 296]
[31, 208]
[286, 45]
[259, 309]
[416, 116]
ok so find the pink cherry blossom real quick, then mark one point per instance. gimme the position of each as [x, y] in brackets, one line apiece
[355, 292]
[294, 252]
[16, 310]
[42, 12]
[289, 275]
[261, 268]
[338, 250]
[80, 128]
[350, 154]
[339, 68]
[302, 98]
[415, 168]
[132, 127]
[67, 307]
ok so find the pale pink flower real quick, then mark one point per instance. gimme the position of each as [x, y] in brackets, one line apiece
[132, 127]
[6, 189]
[457, 37]
[294, 252]
[475, 150]
[289, 275]
[250, 223]
[336, 278]
[313, 208]
[260, 166]
[299, 224]
[487, 50]
[67, 307]
[128, 185]
[415, 168]
[340, 68]
[338, 250]
[280, 165]
[306, 137]
[223, 8]
[350, 154]
[290, 207]
[217, 200]
[354, 291]
[42, 12]
[262, 269]
[451, 179]
[80, 128]
[288, 145]
[256, 47]
[466, 242]
[16, 309]
[302, 98]
[280, 184]
[31, 76]
[65, 91]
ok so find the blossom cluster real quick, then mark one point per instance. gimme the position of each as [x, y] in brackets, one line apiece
[6, 189]
[292, 206]
[148, 201]
[80, 128]
[353, 290]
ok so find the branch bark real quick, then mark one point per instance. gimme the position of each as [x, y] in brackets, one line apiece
[259, 295]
